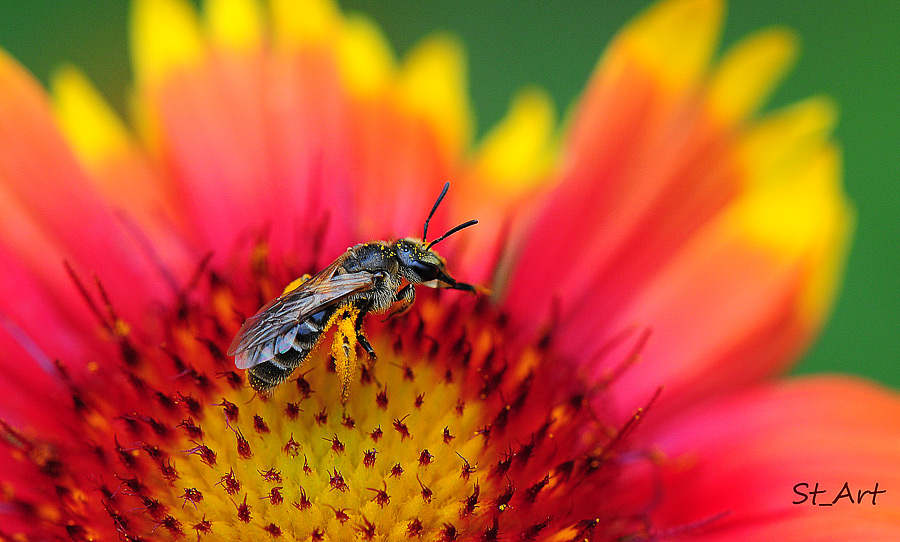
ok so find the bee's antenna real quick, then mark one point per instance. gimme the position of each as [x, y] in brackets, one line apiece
[462, 226]
[433, 209]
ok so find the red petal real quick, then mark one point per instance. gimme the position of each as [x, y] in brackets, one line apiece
[744, 455]
[721, 315]
[43, 180]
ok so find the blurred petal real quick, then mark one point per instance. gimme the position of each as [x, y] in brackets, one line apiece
[433, 84]
[234, 24]
[508, 175]
[43, 178]
[88, 122]
[397, 162]
[674, 39]
[303, 22]
[165, 37]
[808, 220]
[721, 315]
[48, 321]
[401, 167]
[117, 169]
[749, 72]
[519, 152]
[747, 295]
[366, 60]
[213, 140]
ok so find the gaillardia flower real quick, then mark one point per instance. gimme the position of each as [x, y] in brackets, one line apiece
[651, 271]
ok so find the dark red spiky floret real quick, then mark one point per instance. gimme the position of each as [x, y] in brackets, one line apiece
[303, 503]
[381, 497]
[402, 428]
[381, 399]
[292, 410]
[336, 444]
[271, 475]
[367, 530]
[369, 457]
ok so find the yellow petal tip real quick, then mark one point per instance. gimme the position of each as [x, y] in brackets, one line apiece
[234, 24]
[299, 23]
[749, 72]
[433, 84]
[88, 122]
[366, 60]
[165, 37]
[520, 150]
[783, 142]
[805, 221]
[675, 39]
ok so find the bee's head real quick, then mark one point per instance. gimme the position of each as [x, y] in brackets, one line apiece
[420, 264]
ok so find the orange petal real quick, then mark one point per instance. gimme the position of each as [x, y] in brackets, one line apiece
[642, 157]
[619, 223]
[214, 143]
[721, 315]
[401, 168]
[725, 242]
[307, 122]
[739, 301]
[508, 175]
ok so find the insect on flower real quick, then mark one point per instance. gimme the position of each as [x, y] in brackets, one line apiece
[366, 278]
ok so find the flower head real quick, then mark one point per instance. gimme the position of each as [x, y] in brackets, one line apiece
[647, 279]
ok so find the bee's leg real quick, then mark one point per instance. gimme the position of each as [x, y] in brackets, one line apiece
[344, 348]
[406, 296]
[363, 340]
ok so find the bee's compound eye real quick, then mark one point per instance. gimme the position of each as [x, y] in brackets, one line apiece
[380, 276]
[425, 270]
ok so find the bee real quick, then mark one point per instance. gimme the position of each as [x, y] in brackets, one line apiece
[369, 277]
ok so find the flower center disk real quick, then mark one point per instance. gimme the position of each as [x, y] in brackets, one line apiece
[446, 437]
[389, 461]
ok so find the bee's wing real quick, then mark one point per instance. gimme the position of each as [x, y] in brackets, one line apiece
[271, 330]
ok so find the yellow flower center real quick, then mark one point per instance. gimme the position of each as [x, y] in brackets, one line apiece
[399, 458]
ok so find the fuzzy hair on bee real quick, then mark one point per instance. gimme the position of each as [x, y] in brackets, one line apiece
[369, 277]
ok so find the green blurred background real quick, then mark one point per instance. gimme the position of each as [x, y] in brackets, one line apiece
[851, 51]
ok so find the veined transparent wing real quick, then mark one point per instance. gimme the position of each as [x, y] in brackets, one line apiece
[264, 334]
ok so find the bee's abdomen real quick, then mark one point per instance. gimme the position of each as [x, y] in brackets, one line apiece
[269, 374]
